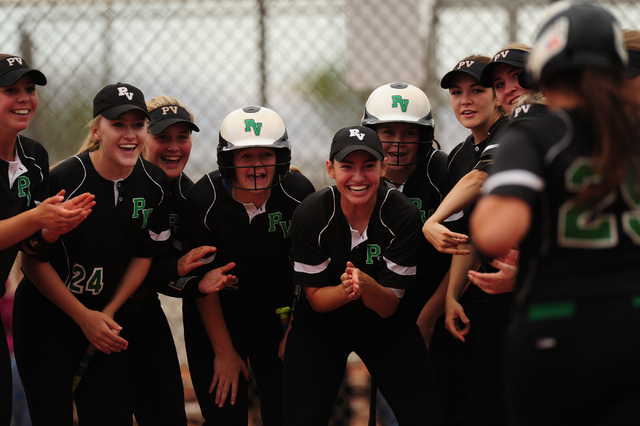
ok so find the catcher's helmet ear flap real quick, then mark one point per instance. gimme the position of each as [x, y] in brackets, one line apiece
[253, 127]
[575, 36]
[401, 103]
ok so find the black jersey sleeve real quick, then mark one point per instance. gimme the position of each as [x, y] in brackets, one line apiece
[312, 218]
[400, 257]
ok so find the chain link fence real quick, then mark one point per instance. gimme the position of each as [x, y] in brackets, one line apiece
[313, 61]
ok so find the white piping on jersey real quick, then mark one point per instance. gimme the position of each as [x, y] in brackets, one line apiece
[288, 195]
[333, 213]
[84, 177]
[564, 141]
[406, 271]
[215, 196]
[163, 236]
[517, 177]
[455, 216]
[152, 180]
[449, 162]
[179, 183]
[386, 197]
[30, 158]
[489, 148]
[311, 269]
[429, 174]
[177, 244]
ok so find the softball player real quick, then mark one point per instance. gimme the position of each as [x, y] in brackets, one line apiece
[401, 116]
[68, 298]
[476, 108]
[24, 182]
[355, 248]
[158, 394]
[564, 188]
[244, 209]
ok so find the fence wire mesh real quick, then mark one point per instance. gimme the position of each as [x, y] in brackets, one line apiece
[313, 61]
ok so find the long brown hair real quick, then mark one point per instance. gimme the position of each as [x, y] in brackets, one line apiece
[616, 129]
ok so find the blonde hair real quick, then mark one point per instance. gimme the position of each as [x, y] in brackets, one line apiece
[90, 143]
[517, 46]
[632, 40]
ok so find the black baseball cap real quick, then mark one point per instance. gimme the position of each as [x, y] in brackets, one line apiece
[14, 67]
[168, 115]
[633, 69]
[355, 138]
[116, 99]
[514, 57]
[473, 68]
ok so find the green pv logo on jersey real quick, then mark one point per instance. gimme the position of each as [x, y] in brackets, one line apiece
[276, 219]
[138, 207]
[418, 203]
[250, 123]
[373, 253]
[23, 183]
[398, 101]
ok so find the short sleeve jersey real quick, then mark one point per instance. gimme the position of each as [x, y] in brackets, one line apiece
[24, 184]
[259, 245]
[570, 250]
[466, 157]
[387, 251]
[130, 219]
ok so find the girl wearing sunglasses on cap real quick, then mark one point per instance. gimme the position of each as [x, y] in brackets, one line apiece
[69, 298]
[29, 221]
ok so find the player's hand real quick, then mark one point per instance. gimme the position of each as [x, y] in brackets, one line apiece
[226, 373]
[58, 217]
[217, 279]
[193, 259]
[455, 320]
[351, 288]
[502, 281]
[442, 239]
[98, 328]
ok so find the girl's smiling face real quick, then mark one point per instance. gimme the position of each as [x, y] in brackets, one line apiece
[18, 104]
[400, 143]
[121, 142]
[169, 149]
[357, 177]
[506, 86]
[255, 168]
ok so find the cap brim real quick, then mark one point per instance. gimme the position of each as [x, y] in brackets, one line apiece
[486, 78]
[340, 155]
[160, 126]
[116, 111]
[447, 80]
[12, 77]
[633, 69]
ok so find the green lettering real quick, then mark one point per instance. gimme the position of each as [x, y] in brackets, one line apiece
[373, 252]
[23, 183]
[397, 100]
[251, 124]
[138, 206]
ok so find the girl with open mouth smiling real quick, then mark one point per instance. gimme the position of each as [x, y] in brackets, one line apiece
[355, 251]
